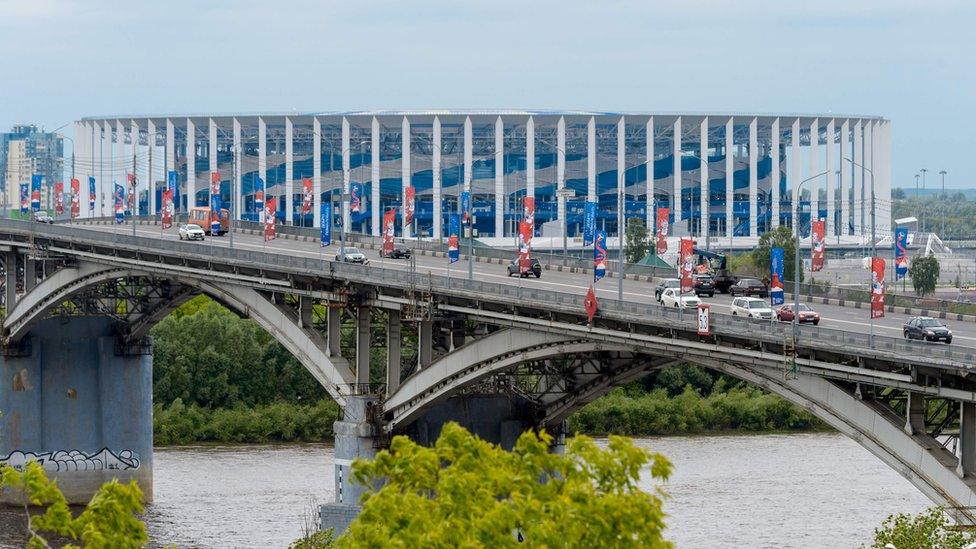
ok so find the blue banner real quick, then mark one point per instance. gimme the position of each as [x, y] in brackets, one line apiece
[776, 294]
[901, 252]
[453, 238]
[24, 198]
[599, 255]
[36, 180]
[589, 223]
[119, 204]
[465, 206]
[258, 196]
[326, 235]
[92, 194]
[173, 183]
[215, 214]
[357, 205]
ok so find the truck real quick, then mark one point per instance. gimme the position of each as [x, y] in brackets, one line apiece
[717, 264]
[204, 217]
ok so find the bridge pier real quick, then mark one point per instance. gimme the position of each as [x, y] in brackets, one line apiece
[76, 401]
[915, 414]
[355, 437]
[393, 355]
[967, 439]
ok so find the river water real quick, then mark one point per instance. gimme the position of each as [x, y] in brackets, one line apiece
[791, 490]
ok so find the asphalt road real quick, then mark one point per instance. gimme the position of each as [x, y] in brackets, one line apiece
[832, 316]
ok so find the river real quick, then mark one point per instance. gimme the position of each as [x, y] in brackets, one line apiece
[790, 490]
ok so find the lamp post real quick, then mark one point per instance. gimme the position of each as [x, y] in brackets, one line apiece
[796, 253]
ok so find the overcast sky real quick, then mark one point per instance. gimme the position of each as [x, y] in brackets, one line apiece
[911, 61]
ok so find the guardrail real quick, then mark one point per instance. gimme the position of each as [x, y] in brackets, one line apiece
[524, 296]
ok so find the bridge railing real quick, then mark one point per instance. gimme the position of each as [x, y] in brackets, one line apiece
[517, 294]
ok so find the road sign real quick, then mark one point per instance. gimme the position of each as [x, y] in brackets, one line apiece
[565, 193]
[704, 327]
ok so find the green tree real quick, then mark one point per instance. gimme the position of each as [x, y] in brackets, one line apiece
[781, 237]
[636, 240]
[109, 520]
[924, 271]
[928, 530]
[465, 492]
[897, 193]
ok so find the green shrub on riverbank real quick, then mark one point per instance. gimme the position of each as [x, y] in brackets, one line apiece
[275, 422]
[655, 413]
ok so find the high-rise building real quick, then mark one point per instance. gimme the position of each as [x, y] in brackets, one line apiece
[24, 151]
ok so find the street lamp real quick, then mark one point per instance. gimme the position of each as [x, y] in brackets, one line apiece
[796, 252]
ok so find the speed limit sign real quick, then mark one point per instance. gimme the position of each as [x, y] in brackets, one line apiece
[704, 328]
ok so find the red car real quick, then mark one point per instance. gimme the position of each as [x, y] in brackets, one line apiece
[785, 313]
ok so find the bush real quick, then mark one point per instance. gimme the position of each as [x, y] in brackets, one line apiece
[275, 422]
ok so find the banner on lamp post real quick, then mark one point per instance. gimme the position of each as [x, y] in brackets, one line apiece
[589, 223]
[119, 196]
[663, 228]
[307, 196]
[357, 210]
[590, 305]
[173, 185]
[167, 212]
[776, 261]
[389, 227]
[525, 247]
[528, 211]
[465, 206]
[686, 264]
[75, 198]
[817, 245]
[215, 206]
[453, 238]
[35, 197]
[93, 194]
[877, 287]
[409, 194]
[599, 255]
[270, 207]
[325, 233]
[130, 189]
[58, 198]
[259, 198]
[24, 198]
[901, 252]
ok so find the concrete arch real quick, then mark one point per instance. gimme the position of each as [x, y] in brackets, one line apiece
[309, 347]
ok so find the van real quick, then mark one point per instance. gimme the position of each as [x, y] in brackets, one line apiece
[204, 217]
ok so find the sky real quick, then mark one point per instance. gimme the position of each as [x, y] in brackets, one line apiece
[911, 61]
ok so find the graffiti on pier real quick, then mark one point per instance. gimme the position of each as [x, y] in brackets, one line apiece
[74, 460]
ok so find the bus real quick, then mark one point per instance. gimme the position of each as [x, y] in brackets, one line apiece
[203, 216]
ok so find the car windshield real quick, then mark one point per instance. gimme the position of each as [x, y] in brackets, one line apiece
[804, 308]
[672, 283]
[757, 304]
[930, 323]
[705, 278]
[751, 282]
[191, 227]
[350, 250]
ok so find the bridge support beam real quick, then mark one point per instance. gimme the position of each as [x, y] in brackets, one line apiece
[30, 274]
[425, 344]
[79, 404]
[10, 281]
[335, 331]
[305, 312]
[393, 336]
[355, 437]
[362, 345]
[915, 414]
[967, 439]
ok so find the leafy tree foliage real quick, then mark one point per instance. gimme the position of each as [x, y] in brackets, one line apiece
[928, 530]
[958, 210]
[635, 248]
[109, 520]
[465, 492]
[781, 237]
[924, 271]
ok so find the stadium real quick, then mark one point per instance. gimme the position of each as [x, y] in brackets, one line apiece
[750, 165]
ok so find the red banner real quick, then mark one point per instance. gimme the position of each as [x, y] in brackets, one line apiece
[270, 208]
[307, 195]
[167, 211]
[528, 205]
[877, 287]
[590, 304]
[409, 194]
[389, 224]
[686, 266]
[58, 198]
[663, 227]
[214, 183]
[75, 198]
[817, 231]
[525, 246]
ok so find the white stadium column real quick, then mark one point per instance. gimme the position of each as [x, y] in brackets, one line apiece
[649, 196]
[676, 180]
[754, 177]
[729, 178]
[831, 179]
[316, 172]
[120, 164]
[374, 164]
[775, 181]
[467, 154]
[345, 173]
[814, 184]
[591, 160]
[437, 178]
[621, 183]
[845, 178]
[237, 191]
[212, 153]
[263, 161]
[795, 173]
[884, 163]
[870, 178]
[858, 179]
[100, 188]
[405, 168]
[530, 157]
[151, 179]
[133, 147]
[704, 195]
[500, 198]
[191, 164]
[561, 171]
[289, 172]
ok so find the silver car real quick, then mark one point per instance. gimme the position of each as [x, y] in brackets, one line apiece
[351, 254]
[191, 231]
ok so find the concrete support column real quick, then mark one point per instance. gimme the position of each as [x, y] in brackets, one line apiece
[704, 202]
[393, 337]
[621, 182]
[289, 205]
[796, 174]
[100, 188]
[775, 181]
[831, 176]
[500, 198]
[845, 178]
[10, 279]
[170, 154]
[729, 178]
[191, 164]
[530, 157]
[425, 344]
[884, 165]
[212, 146]
[237, 191]
[345, 171]
[305, 312]
[133, 147]
[354, 438]
[374, 183]
[316, 172]
[561, 170]
[591, 160]
[436, 167]
[915, 414]
[754, 177]
[650, 217]
[871, 179]
[335, 330]
[815, 184]
[468, 153]
[858, 179]
[405, 169]
[676, 201]
[362, 344]
[30, 274]
[153, 160]
[967, 439]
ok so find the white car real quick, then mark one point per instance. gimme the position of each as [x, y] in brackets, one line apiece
[671, 297]
[191, 231]
[752, 307]
[351, 255]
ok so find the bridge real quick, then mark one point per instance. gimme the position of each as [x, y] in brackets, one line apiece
[498, 355]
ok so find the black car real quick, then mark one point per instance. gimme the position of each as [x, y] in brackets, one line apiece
[664, 284]
[927, 328]
[535, 269]
[399, 252]
[704, 285]
[749, 287]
